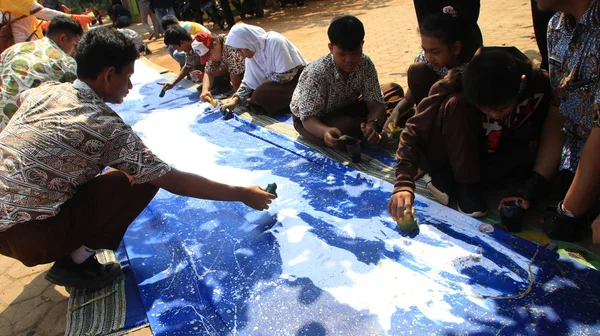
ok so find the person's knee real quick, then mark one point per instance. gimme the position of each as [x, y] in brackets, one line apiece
[34, 259]
[260, 94]
[418, 70]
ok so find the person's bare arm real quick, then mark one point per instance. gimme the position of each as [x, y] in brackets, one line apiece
[184, 72]
[207, 83]
[236, 81]
[192, 185]
[551, 144]
[369, 129]
[585, 189]
[317, 128]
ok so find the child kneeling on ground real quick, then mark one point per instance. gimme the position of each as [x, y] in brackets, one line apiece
[476, 127]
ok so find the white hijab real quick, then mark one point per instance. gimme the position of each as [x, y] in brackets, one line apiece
[273, 53]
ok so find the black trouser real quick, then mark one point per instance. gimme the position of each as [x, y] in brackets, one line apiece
[227, 13]
[467, 9]
[540, 28]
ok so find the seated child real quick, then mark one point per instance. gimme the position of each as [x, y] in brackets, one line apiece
[448, 41]
[473, 135]
[339, 93]
[273, 65]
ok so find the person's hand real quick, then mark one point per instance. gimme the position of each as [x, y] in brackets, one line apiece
[386, 127]
[167, 86]
[370, 133]
[205, 95]
[230, 103]
[596, 230]
[257, 198]
[399, 202]
[196, 75]
[332, 136]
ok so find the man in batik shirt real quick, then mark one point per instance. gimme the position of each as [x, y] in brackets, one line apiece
[339, 93]
[29, 64]
[56, 204]
[571, 136]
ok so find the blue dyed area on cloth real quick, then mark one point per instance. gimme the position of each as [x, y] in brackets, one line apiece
[326, 259]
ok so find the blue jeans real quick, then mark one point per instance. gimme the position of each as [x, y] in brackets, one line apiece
[162, 12]
[179, 56]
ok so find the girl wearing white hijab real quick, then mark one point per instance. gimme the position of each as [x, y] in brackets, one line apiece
[273, 65]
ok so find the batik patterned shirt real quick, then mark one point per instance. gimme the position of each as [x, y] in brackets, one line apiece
[62, 136]
[575, 77]
[232, 60]
[27, 65]
[322, 88]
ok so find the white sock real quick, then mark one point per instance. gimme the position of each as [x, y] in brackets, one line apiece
[81, 254]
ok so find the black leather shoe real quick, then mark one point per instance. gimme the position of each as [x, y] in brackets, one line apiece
[89, 274]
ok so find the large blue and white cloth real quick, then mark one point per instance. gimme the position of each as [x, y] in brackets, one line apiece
[326, 258]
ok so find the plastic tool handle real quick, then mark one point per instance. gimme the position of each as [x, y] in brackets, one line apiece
[211, 101]
[271, 188]
[163, 91]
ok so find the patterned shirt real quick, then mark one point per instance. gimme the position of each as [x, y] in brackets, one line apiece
[575, 77]
[232, 60]
[62, 136]
[322, 89]
[27, 65]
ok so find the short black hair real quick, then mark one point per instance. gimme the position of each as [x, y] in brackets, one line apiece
[176, 34]
[346, 32]
[493, 77]
[452, 28]
[101, 48]
[63, 24]
[168, 20]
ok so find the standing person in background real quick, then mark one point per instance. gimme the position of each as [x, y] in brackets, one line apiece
[540, 29]
[163, 8]
[468, 9]
[571, 135]
[145, 12]
[227, 13]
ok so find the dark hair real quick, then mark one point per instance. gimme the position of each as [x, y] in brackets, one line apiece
[450, 28]
[493, 77]
[101, 48]
[63, 24]
[168, 20]
[346, 32]
[176, 34]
